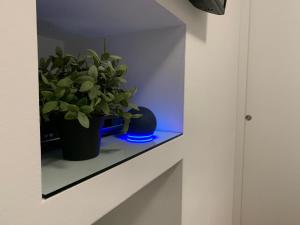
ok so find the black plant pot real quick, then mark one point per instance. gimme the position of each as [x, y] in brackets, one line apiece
[79, 143]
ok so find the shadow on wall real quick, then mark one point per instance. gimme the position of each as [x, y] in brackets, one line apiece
[147, 205]
[195, 19]
[200, 29]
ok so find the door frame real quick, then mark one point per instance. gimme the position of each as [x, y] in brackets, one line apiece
[245, 22]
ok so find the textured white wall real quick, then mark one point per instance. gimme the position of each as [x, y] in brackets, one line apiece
[207, 146]
[210, 112]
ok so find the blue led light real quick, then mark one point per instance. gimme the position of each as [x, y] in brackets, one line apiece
[140, 138]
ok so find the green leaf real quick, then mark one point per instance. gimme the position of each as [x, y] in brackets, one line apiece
[83, 120]
[50, 106]
[121, 69]
[133, 106]
[105, 56]
[64, 106]
[46, 94]
[59, 92]
[103, 107]
[126, 115]
[122, 80]
[73, 108]
[126, 125]
[115, 58]
[93, 71]
[70, 97]
[86, 109]
[136, 116]
[111, 69]
[86, 86]
[44, 79]
[93, 93]
[101, 68]
[133, 91]
[58, 51]
[111, 96]
[124, 103]
[98, 100]
[66, 82]
[95, 57]
[85, 78]
[82, 101]
[58, 62]
[70, 115]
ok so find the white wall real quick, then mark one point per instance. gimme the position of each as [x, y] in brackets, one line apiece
[207, 146]
[210, 112]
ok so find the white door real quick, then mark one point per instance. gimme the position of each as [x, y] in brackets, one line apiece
[271, 183]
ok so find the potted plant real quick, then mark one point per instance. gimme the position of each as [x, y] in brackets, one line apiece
[77, 92]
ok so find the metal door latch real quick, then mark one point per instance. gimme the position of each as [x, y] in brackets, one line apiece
[248, 117]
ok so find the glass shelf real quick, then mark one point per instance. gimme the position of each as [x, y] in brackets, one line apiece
[59, 175]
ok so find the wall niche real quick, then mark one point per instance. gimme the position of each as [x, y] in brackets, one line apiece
[151, 42]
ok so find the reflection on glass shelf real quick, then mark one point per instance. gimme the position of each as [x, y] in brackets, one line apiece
[59, 175]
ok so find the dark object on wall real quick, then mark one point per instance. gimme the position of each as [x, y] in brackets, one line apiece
[79, 143]
[211, 6]
[143, 126]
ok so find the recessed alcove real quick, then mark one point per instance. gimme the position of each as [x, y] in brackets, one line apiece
[151, 41]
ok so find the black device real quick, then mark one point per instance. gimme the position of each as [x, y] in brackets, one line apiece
[143, 126]
[211, 6]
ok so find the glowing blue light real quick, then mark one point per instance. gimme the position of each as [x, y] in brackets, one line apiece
[140, 138]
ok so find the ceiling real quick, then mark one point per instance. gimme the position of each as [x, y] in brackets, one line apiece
[98, 18]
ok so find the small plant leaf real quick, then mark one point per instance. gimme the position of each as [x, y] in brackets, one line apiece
[133, 106]
[70, 115]
[50, 106]
[64, 106]
[95, 57]
[73, 108]
[94, 93]
[86, 109]
[93, 71]
[121, 69]
[66, 82]
[122, 80]
[101, 68]
[44, 79]
[83, 120]
[82, 101]
[136, 116]
[103, 107]
[86, 86]
[105, 56]
[59, 92]
[115, 58]
[85, 78]
[46, 94]
[126, 125]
